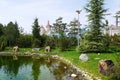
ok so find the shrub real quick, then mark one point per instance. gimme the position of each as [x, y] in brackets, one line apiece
[83, 46]
[24, 41]
[50, 41]
[2, 43]
[63, 43]
[86, 46]
[36, 43]
[116, 74]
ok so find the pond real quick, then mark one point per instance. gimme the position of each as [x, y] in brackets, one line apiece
[27, 68]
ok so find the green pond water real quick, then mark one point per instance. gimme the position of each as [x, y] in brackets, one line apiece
[27, 68]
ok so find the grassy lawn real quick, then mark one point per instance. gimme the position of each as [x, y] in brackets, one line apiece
[90, 66]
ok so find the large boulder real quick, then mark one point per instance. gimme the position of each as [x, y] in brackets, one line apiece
[15, 49]
[84, 57]
[47, 49]
[35, 49]
[105, 67]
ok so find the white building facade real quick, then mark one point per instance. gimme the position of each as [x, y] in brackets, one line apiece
[112, 30]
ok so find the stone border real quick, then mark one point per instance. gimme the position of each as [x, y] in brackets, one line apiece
[84, 74]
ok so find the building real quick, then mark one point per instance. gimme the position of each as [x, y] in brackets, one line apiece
[45, 30]
[112, 30]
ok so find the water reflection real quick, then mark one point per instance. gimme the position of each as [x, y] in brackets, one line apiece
[26, 68]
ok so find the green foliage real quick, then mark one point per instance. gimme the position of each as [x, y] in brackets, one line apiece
[73, 27]
[2, 38]
[59, 26]
[17, 32]
[115, 40]
[72, 41]
[3, 43]
[36, 43]
[64, 43]
[87, 46]
[12, 33]
[95, 15]
[51, 41]
[83, 46]
[95, 47]
[36, 34]
[25, 41]
[106, 41]
[1, 30]
[116, 74]
[35, 29]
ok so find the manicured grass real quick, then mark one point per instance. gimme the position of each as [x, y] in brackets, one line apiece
[90, 66]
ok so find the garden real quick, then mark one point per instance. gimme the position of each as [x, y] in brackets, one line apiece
[69, 42]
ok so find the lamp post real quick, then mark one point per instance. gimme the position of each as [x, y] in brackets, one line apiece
[78, 35]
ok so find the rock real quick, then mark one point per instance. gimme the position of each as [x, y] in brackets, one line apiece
[65, 67]
[55, 56]
[47, 49]
[15, 49]
[73, 75]
[35, 49]
[27, 53]
[98, 53]
[36, 56]
[84, 57]
[105, 67]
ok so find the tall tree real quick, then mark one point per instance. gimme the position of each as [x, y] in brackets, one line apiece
[73, 27]
[17, 30]
[2, 38]
[59, 26]
[1, 30]
[36, 34]
[96, 13]
[12, 33]
[35, 29]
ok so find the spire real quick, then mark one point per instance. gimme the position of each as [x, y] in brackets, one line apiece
[48, 24]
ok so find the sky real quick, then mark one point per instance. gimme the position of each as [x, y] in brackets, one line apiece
[25, 11]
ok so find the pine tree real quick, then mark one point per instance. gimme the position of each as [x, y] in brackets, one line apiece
[36, 34]
[35, 29]
[10, 33]
[96, 12]
[59, 26]
[73, 28]
[1, 30]
[2, 38]
[17, 30]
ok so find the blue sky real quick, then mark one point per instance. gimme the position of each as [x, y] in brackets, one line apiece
[25, 11]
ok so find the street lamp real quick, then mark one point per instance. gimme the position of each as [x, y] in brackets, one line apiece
[78, 36]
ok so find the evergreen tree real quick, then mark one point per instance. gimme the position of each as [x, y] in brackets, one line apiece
[36, 34]
[2, 38]
[59, 26]
[17, 30]
[35, 29]
[73, 27]
[10, 33]
[1, 30]
[96, 12]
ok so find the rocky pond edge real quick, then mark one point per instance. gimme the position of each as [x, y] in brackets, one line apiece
[85, 74]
